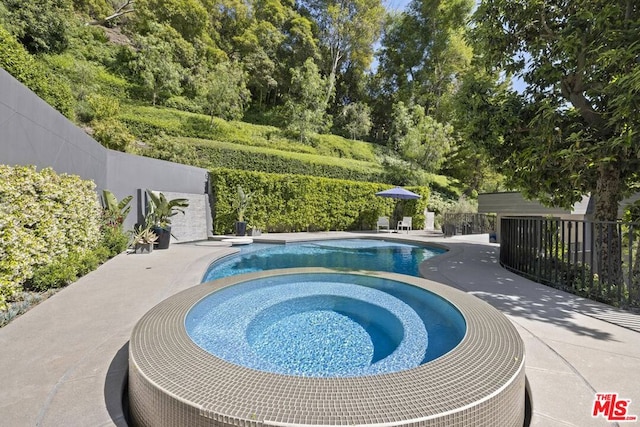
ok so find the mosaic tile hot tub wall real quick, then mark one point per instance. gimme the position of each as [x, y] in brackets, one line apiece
[172, 381]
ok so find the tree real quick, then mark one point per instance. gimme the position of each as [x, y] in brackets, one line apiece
[423, 52]
[258, 47]
[187, 17]
[356, 118]
[484, 109]
[578, 122]
[347, 31]
[227, 95]
[305, 106]
[419, 138]
[158, 74]
[42, 26]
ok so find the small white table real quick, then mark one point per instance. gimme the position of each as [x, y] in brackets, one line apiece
[239, 241]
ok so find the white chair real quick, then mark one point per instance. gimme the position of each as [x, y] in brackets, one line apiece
[383, 222]
[405, 224]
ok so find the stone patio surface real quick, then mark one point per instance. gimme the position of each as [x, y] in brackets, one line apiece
[64, 362]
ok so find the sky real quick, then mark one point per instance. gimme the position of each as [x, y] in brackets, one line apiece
[396, 5]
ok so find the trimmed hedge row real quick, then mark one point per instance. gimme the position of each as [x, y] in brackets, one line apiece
[285, 203]
[44, 217]
[233, 156]
[144, 121]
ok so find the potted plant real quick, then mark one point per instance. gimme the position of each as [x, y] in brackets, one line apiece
[143, 239]
[242, 203]
[254, 230]
[159, 213]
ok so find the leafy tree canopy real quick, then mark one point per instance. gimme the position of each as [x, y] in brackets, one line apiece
[578, 120]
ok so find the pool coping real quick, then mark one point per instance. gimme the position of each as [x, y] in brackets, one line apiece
[471, 382]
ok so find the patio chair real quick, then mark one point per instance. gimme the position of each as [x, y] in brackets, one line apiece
[405, 224]
[383, 222]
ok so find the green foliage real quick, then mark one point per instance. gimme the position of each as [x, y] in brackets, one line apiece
[115, 212]
[50, 87]
[185, 104]
[419, 138]
[575, 130]
[165, 148]
[347, 33]
[306, 105]
[304, 203]
[423, 53]
[234, 156]
[160, 209]
[158, 70]
[65, 270]
[242, 202]
[41, 26]
[56, 274]
[113, 242]
[93, 8]
[146, 120]
[43, 217]
[113, 134]
[226, 93]
[355, 120]
[187, 17]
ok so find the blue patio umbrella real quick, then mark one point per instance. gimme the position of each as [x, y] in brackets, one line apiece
[398, 193]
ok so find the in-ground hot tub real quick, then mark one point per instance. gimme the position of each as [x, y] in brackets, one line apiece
[183, 371]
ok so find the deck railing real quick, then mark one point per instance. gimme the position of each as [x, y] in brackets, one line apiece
[597, 260]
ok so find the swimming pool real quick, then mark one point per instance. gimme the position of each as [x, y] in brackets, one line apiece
[349, 254]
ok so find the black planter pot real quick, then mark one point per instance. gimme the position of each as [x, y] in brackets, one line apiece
[164, 237]
[241, 228]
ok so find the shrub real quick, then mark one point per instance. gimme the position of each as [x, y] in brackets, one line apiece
[43, 218]
[56, 274]
[21, 65]
[113, 134]
[284, 203]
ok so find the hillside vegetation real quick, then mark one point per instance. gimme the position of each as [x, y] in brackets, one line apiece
[250, 86]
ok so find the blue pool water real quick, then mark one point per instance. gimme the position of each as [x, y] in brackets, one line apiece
[325, 325]
[352, 254]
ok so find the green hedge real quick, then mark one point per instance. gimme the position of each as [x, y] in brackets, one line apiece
[214, 154]
[284, 202]
[144, 121]
[44, 217]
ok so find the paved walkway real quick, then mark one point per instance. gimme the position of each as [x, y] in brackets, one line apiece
[63, 363]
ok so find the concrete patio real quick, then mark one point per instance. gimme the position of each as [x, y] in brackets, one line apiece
[64, 362]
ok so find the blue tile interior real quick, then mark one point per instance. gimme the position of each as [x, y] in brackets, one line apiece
[319, 325]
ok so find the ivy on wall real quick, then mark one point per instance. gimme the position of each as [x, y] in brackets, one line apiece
[43, 218]
[286, 203]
